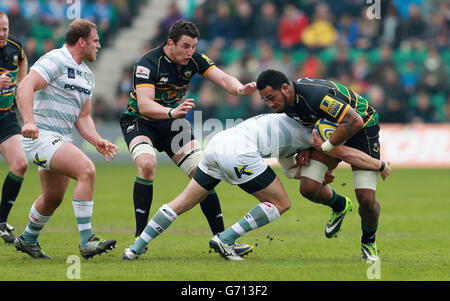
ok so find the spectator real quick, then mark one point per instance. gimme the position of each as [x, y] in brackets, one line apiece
[390, 26]
[414, 27]
[369, 31]
[200, 18]
[173, 15]
[19, 26]
[291, 25]
[396, 99]
[341, 64]
[245, 68]
[433, 78]
[245, 23]
[125, 84]
[312, 67]
[31, 51]
[439, 32]
[423, 112]
[266, 24]
[222, 25]
[347, 30]
[386, 62]
[320, 33]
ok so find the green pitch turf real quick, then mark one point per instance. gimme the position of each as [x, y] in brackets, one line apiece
[413, 234]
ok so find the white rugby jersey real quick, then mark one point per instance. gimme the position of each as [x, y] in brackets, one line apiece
[273, 136]
[58, 105]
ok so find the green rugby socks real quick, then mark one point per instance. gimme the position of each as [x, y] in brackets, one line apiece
[259, 216]
[83, 213]
[35, 225]
[162, 219]
[337, 202]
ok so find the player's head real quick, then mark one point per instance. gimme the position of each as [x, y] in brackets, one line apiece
[274, 89]
[183, 37]
[4, 29]
[82, 33]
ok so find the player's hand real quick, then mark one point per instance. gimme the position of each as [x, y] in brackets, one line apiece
[183, 108]
[302, 157]
[247, 89]
[30, 130]
[5, 81]
[386, 171]
[316, 142]
[329, 177]
[106, 148]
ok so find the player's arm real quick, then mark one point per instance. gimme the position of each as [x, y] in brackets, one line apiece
[357, 158]
[23, 69]
[86, 127]
[32, 82]
[148, 107]
[230, 83]
[351, 124]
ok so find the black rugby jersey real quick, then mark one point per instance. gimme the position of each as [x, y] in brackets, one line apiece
[10, 56]
[319, 98]
[170, 80]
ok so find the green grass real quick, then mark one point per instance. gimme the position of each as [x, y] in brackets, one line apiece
[413, 233]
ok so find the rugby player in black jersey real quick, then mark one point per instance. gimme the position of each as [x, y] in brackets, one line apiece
[307, 100]
[155, 116]
[13, 68]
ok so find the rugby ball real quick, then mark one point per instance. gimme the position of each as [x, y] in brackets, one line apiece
[325, 129]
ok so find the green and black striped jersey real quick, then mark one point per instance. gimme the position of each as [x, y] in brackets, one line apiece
[11, 55]
[169, 80]
[319, 98]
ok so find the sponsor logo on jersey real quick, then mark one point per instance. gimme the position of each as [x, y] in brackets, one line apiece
[187, 75]
[70, 73]
[330, 106]
[142, 72]
[77, 88]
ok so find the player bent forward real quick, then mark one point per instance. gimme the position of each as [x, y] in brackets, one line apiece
[236, 156]
[62, 84]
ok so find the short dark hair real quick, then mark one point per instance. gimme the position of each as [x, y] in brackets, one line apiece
[182, 27]
[272, 78]
[79, 28]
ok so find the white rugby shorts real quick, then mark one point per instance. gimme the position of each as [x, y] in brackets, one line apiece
[232, 159]
[41, 150]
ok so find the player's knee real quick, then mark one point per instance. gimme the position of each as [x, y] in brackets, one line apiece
[146, 167]
[88, 172]
[283, 205]
[368, 204]
[19, 167]
[309, 188]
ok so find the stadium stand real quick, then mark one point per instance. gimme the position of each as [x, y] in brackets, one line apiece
[400, 61]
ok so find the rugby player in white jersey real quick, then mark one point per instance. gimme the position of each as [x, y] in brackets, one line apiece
[236, 156]
[62, 85]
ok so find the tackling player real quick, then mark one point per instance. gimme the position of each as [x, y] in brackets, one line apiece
[236, 156]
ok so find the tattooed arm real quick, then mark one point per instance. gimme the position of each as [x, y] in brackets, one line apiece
[350, 125]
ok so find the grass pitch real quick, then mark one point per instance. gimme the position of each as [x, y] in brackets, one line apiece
[413, 234]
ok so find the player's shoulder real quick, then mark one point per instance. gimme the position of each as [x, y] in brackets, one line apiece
[151, 57]
[13, 42]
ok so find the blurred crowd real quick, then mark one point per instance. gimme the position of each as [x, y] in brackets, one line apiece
[40, 24]
[394, 52]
